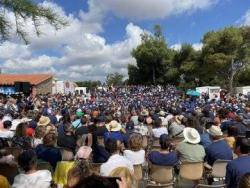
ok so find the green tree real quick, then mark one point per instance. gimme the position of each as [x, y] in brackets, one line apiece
[152, 57]
[22, 10]
[220, 52]
[89, 84]
[114, 79]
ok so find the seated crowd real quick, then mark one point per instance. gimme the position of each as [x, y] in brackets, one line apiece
[103, 148]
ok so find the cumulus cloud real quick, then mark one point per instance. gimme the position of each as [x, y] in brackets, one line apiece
[148, 9]
[83, 53]
[78, 51]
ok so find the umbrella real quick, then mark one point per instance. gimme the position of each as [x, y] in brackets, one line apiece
[193, 93]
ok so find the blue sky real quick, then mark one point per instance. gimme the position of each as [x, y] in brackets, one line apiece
[102, 33]
[180, 28]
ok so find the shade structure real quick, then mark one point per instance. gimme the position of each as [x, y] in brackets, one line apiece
[194, 93]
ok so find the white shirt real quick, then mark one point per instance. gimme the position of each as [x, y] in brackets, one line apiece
[37, 141]
[135, 157]
[6, 134]
[114, 162]
[39, 179]
[157, 132]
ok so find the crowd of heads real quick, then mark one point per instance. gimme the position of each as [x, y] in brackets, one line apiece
[127, 122]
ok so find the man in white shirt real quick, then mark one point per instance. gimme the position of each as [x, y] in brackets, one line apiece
[5, 132]
[115, 160]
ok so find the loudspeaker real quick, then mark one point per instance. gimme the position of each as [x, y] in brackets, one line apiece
[23, 87]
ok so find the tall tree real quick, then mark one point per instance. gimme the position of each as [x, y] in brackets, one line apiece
[152, 57]
[114, 79]
[22, 10]
[221, 50]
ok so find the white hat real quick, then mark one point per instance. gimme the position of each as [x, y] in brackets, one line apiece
[215, 131]
[25, 120]
[6, 118]
[191, 135]
[162, 113]
[114, 126]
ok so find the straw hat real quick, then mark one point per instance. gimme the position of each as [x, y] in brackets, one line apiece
[191, 135]
[179, 118]
[162, 113]
[43, 121]
[144, 113]
[215, 131]
[114, 126]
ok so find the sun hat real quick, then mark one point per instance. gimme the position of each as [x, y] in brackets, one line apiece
[162, 113]
[178, 119]
[144, 113]
[215, 131]
[83, 152]
[43, 121]
[114, 126]
[191, 135]
[79, 113]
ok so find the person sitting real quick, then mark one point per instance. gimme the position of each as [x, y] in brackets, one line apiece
[158, 129]
[20, 139]
[67, 139]
[135, 153]
[164, 157]
[238, 167]
[141, 127]
[39, 134]
[115, 132]
[31, 176]
[115, 160]
[80, 170]
[219, 149]
[5, 131]
[47, 151]
[244, 181]
[205, 137]
[176, 127]
[232, 133]
[189, 150]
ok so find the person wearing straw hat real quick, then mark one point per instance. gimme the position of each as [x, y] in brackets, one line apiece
[190, 150]
[219, 149]
[115, 132]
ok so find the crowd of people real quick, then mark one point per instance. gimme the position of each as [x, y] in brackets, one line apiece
[60, 139]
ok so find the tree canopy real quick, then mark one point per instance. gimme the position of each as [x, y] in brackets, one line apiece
[214, 64]
[23, 10]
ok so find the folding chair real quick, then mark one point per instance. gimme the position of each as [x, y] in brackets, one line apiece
[44, 165]
[9, 171]
[210, 186]
[191, 170]
[67, 155]
[160, 176]
[219, 169]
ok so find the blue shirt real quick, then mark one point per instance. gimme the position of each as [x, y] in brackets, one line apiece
[235, 169]
[205, 140]
[218, 150]
[163, 159]
[117, 135]
[49, 154]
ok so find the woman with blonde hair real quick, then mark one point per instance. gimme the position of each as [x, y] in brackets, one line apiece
[125, 173]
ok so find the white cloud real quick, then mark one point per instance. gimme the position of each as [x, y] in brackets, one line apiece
[176, 47]
[245, 20]
[197, 46]
[83, 53]
[152, 9]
